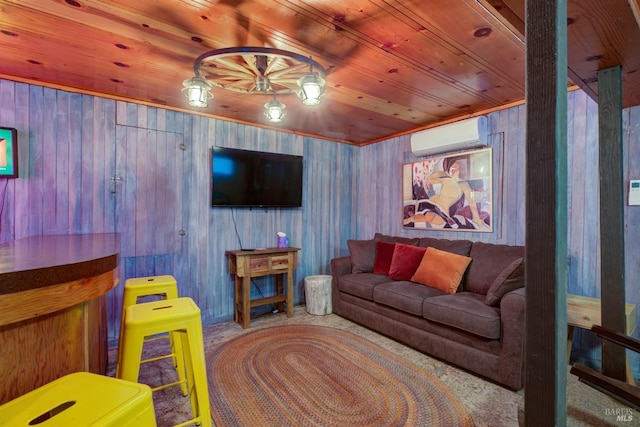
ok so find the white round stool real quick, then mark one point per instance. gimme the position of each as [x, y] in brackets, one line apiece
[317, 294]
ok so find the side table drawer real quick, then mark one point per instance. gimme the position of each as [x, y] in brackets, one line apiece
[259, 263]
[280, 262]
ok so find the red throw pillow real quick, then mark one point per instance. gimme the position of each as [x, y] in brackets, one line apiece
[384, 254]
[405, 261]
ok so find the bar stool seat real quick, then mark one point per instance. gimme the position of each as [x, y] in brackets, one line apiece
[165, 287]
[82, 399]
[179, 316]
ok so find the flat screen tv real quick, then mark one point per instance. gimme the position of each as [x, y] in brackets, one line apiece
[244, 178]
[8, 153]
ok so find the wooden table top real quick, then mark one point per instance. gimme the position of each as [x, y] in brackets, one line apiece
[261, 251]
[39, 261]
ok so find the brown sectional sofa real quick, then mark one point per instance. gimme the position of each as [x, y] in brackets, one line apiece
[479, 328]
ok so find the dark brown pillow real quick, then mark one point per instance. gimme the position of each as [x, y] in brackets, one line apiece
[405, 261]
[384, 254]
[510, 279]
[396, 239]
[363, 255]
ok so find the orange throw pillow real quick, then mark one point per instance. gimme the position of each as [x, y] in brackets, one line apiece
[441, 270]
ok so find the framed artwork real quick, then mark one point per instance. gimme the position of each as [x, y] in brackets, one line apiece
[450, 192]
[8, 153]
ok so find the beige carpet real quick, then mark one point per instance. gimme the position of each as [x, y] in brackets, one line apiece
[488, 404]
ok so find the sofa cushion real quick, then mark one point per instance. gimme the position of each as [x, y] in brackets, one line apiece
[466, 311]
[384, 255]
[404, 295]
[489, 260]
[510, 279]
[460, 247]
[442, 270]
[361, 284]
[363, 255]
[405, 261]
[396, 239]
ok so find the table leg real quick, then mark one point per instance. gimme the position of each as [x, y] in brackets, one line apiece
[246, 300]
[569, 342]
[238, 299]
[280, 290]
[290, 292]
[630, 379]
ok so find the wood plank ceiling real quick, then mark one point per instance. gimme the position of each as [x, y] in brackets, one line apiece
[394, 67]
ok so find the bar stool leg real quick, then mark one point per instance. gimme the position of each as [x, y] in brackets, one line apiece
[131, 351]
[181, 318]
[200, 399]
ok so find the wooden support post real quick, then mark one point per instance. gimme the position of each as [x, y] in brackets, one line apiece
[611, 217]
[546, 212]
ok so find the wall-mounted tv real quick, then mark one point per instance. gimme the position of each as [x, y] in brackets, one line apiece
[244, 178]
[8, 153]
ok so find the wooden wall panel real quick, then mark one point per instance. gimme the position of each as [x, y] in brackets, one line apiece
[21, 121]
[576, 137]
[8, 188]
[631, 153]
[32, 166]
[515, 158]
[349, 192]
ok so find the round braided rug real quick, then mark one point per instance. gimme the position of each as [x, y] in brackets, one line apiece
[301, 375]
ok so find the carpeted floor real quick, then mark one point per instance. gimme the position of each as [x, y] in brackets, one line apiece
[488, 404]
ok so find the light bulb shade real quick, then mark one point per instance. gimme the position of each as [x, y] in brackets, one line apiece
[274, 110]
[311, 88]
[197, 91]
[262, 84]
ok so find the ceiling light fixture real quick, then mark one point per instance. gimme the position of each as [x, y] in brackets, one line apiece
[197, 91]
[274, 110]
[256, 70]
[311, 88]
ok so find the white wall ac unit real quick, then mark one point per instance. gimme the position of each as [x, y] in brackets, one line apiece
[462, 135]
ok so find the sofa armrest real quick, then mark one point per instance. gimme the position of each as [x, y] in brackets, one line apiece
[339, 267]
[512, 317]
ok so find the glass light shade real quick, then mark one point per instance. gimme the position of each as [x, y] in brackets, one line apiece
[262, 84]
[274, 110]
[311, 88]
[196, 90]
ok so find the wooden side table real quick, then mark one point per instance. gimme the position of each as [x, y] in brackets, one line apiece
[246, 264]
[584, 312]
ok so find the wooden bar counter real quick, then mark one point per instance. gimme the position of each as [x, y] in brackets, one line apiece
[53, 314]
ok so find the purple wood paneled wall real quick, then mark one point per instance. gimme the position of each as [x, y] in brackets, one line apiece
[91, 165]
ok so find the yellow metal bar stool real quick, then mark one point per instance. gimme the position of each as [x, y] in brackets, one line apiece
[182, 317]
[165, 287]
[82, 399]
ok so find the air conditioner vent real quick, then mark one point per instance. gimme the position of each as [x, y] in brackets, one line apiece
[462, 135]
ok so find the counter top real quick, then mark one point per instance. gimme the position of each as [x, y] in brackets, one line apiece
[39, 261]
